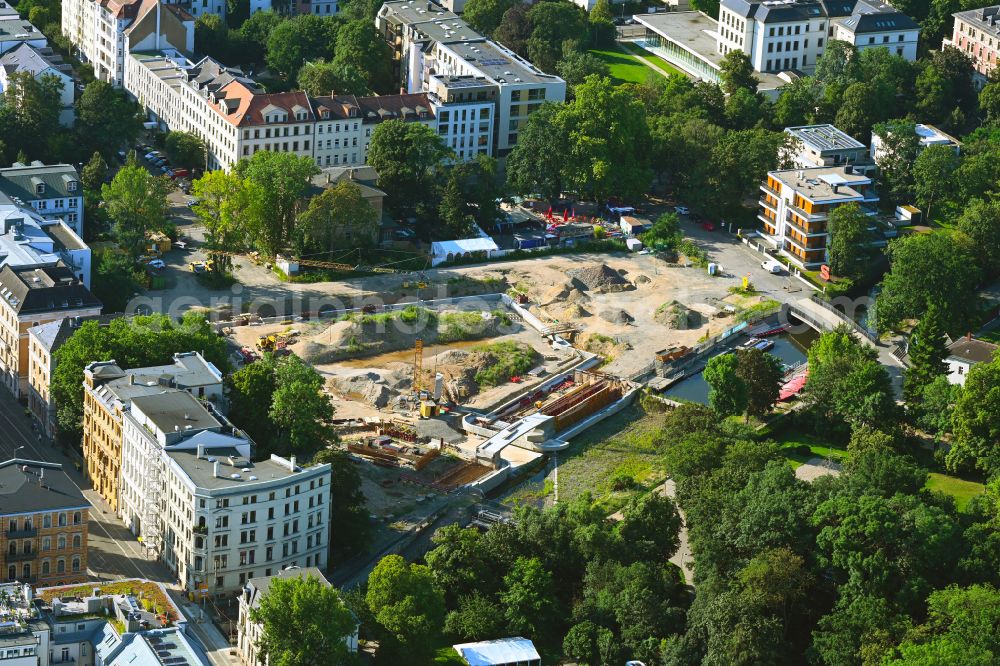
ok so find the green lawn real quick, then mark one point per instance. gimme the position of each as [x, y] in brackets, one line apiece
[960, 489]
[624, 68]
[615, 460]
[792, 448]
[653, 59]
[448, 657]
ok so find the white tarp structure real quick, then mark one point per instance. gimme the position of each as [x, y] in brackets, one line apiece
[500, 652]
[442, 251]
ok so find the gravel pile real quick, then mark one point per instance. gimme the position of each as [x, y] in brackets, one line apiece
[617, 317]
[601, 278]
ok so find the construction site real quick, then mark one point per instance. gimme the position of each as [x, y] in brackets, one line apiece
[465, 391]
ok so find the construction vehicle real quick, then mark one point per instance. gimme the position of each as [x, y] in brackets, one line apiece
[275, 341]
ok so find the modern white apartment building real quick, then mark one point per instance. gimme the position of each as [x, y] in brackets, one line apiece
[781, 35]
[825, 145]
[192, 495]
[104, 32]
[53, 191]
[927, 135]
[429, 42]
[796, 205]
[976, 33]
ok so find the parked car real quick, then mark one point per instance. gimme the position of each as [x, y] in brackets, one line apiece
[405, 234]
[164, 169]
[182, 173]
[772, 266]
[682, 210]
[708, 225]
[157, 264]
[121, 155]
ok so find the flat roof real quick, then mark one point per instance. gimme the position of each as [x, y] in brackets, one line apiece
[500, 651]
[201, 472]
[175, 411]
[497, 62]
[817, 184]
[931, 135]
[824, 137]
[698, 33]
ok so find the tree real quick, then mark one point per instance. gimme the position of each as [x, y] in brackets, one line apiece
[846, 382]
[989, 103]
[727, 392]
[608, 140]
[350, 527]
[337, 217]
[406, 157]
[94, 172]
[761, 374]
[553, 24]
[106, 119]
[477, 618]
[136, 342]
[116, 280]
[459, 562]
[797, 104]
[933, 176]
[292, 42]
[588, 644]
[30, 112]
[185, 149]
[740, 161]
[926, 268]
[255, 33]
[486, 15]
[514, 30]
[576, 66]
[847, 246]
[408, 604]
[359, 45]
[136, 202]
[250, 391]
[960, 630]
[299, 409]
[928, 351]
[650, 527]
[838, 65]
[862, 105]
[980, 221]
[736, 73]
[528, 598]
[534, 166]
[280, 180]
[898, 152]
[601, 11]
[664, 233]
[225, 201]
[456, 221]
[937, 404]
[976, 421]
[304, 623]
[320, 78]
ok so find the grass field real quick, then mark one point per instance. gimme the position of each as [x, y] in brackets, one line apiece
[960, 489]
[448, 657]
[614, 461]
[624, 68]
[652, 59]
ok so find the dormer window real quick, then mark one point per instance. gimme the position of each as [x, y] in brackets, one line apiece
[71, 186]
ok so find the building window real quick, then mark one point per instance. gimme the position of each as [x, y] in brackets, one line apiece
[76, 565]
[46, 567]
[76, 540]
[61, 542]
[60, 565]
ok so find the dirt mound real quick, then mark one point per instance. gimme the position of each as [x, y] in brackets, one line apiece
[642, 279]
[601, 278]
[573, 311]
[617, 316]
[603, 345]
[677, 316]
[368, 387]
[368, 335]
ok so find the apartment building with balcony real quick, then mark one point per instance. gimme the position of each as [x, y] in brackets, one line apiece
[976, 33]
[31, 296]
[108, 393]
[429, 42]
[795, 206]
[43, 524]
[825, 145]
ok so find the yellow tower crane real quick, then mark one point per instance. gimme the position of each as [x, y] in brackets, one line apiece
[418, 365]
